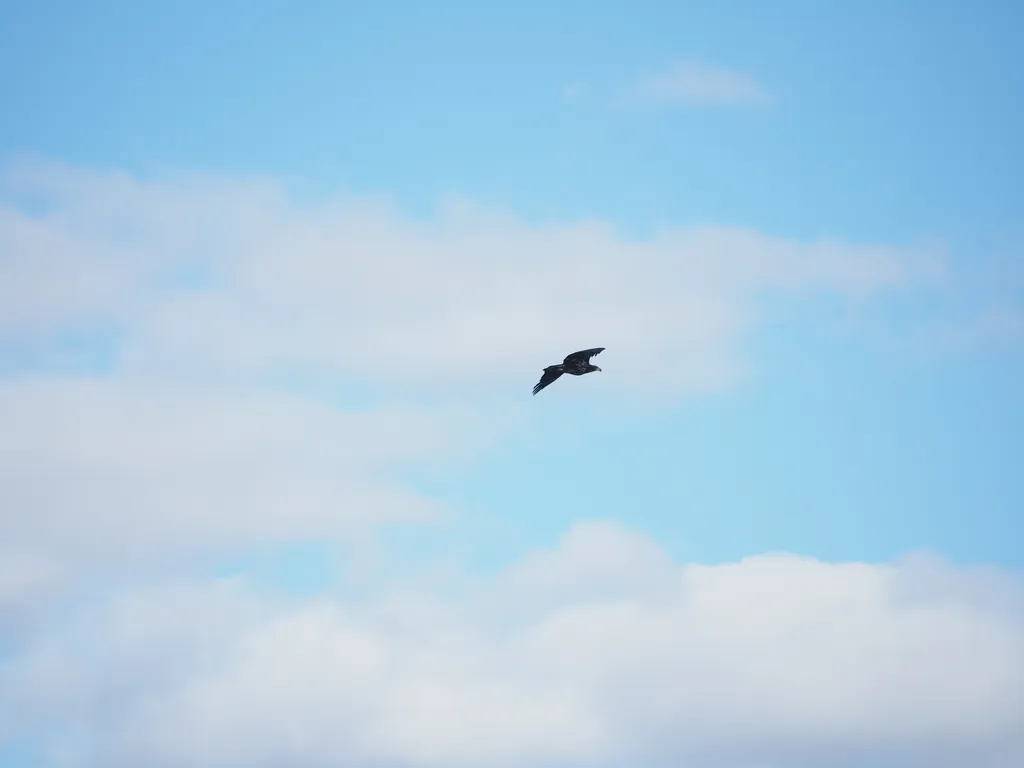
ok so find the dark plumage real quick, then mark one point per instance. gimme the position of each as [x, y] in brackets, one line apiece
[577, 364]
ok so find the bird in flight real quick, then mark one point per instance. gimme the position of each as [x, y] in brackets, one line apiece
[577, 364]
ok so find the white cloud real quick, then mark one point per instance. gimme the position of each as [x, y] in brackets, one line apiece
[214, 293]
[110, 469]
[601, 652]
[244, 326]
[692, 83]
[355, 289]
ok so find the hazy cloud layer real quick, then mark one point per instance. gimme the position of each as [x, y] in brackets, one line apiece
[601, 652]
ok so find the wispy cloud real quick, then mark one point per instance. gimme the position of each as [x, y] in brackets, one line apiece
[692, 83]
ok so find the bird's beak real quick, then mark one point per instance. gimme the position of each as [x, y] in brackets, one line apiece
[597, 368]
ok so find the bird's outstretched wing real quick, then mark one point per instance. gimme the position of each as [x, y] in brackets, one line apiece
[583, 355]
[551, 373]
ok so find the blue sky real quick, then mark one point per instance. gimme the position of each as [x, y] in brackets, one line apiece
[827, 323]
[890, 118]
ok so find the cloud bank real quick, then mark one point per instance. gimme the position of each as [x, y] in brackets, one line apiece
[602, 651]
